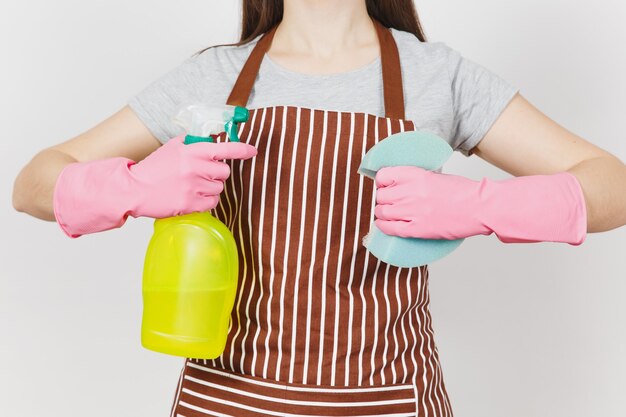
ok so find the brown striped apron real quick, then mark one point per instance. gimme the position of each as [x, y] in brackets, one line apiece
[320, 327]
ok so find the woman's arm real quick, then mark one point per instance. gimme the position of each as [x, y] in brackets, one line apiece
[122, 134]
[544, 147]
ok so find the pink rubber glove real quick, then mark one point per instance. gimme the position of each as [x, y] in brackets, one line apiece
[415, 202]
[175, 179]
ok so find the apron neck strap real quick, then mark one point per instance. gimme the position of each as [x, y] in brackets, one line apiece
[390, 62]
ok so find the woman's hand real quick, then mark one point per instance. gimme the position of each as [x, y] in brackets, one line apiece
[173, 180]
[414, 202]
[179, 179]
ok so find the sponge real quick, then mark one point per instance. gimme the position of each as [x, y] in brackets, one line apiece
[413, 148]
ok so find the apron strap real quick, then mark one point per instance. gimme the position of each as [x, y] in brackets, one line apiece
[390, 62]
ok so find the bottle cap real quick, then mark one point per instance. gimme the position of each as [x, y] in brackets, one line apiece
[201, 121]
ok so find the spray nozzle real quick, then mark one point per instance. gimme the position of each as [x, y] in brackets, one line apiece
[201, 121]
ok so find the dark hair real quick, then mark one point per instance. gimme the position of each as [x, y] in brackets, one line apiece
[258, 16]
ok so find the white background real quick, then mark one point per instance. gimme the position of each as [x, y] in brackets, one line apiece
[523, 330]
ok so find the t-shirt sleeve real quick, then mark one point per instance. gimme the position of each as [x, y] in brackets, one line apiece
[157, 104]
[479, 96]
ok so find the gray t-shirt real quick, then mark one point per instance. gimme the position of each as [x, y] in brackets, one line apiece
[444, 92]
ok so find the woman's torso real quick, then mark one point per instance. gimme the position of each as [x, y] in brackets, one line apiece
[315, 311]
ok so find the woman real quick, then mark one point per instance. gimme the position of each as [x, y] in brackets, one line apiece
[320, 327]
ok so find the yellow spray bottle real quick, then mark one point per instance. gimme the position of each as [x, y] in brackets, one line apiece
[191, 265]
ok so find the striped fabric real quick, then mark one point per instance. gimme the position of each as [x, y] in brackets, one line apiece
[320, 327]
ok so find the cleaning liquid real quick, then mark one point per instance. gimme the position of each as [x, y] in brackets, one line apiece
[191, 264]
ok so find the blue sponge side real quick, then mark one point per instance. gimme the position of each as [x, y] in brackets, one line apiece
[414, 148]
[407, 252]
